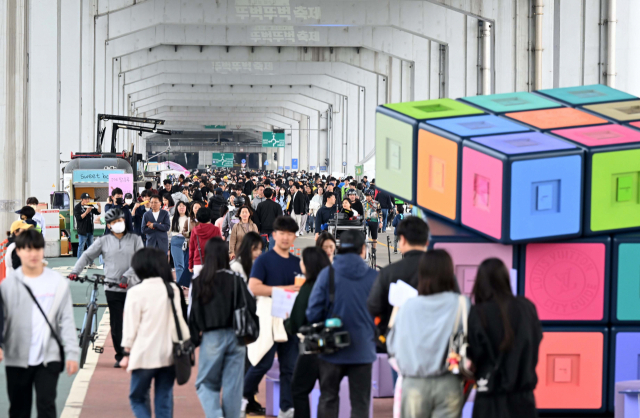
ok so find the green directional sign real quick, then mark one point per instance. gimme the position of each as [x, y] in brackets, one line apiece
[222, 159]
[359, 170]
[272, 140]
[215, 126]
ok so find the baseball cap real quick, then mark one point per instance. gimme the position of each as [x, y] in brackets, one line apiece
[19, 225]
[85, 196]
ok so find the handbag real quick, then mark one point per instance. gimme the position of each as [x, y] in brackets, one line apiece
[456, 361]
[247, 329]
[183, 349]
[53, 332]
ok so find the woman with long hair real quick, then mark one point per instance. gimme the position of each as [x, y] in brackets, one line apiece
[250, 249]
[195, 206]
[149, 332]
[306, 372]
[240, 229]
[428, 390]
[180, 230]
[217, 292]
[283, 199]
[327, 242]
[504, 337]
[223, 212]
[168, 203]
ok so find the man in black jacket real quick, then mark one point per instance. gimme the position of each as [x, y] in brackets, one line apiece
[249, 185]
[297, 206]
[215, 203]
[413, 236]
[266, 213]
[386, 204]
[326, 212]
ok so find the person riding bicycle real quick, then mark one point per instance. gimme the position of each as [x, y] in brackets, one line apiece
[230, 219]
[372, 216]
[116, 249]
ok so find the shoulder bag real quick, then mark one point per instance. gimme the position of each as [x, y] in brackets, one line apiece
[183, 349]
[53, 332]
[247, 329]
[456, 361]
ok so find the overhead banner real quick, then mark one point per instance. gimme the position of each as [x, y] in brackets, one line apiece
[273, 140]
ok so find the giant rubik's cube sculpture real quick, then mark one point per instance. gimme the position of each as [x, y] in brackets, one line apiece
[550, 183]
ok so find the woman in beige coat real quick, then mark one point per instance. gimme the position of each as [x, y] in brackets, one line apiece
[149, 331]
[240, 230]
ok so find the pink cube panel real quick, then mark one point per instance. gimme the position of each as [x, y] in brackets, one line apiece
[468, 256]
[481, 198]
[598, 136]
[566, 281]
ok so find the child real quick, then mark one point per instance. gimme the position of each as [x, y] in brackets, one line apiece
[399, 217]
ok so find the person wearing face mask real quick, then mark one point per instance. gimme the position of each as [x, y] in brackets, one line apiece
[116, 249]
[117, 201]
[33, 202]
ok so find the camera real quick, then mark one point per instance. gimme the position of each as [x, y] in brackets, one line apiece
[324, 337]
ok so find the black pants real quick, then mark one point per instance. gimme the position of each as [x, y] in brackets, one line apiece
[115, 300]
[304, 379]
[359, 388]
[20, 384]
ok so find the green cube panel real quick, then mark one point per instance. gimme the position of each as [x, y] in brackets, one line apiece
[434, 109]
[394, 156]
[582, 95]
[615, 198]
[511, 102]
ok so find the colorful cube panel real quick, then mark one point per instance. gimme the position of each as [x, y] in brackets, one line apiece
[511, 102]
[617, 111]
[521, 187]
[625, 358]
[438, 174]
[564, 117]
[568, 281]
[572, 370]
[396, 140]
[468, 251]
[625, 279]
[471, 126]
[583, 95]
[612, 180]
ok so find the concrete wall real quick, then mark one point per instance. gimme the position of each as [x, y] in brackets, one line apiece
[318, 68]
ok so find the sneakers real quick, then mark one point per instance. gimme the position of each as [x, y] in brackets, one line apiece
[253, 407]
[117, 365]
[286, 414]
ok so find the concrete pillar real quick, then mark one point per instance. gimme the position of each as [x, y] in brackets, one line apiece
[70, 44]
[13, 112]
[44, 95]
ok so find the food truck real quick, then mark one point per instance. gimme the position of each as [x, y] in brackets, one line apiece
[90, 175]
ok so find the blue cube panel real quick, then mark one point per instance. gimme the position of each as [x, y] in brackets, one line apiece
[523, 143]
[545, 197]
[469, 126]
[626, 363]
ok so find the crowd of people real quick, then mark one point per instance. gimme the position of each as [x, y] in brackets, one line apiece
[223, 238]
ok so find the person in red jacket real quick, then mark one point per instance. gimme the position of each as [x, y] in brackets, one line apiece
[204, 231]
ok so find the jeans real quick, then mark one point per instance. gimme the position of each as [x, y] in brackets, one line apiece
[219, 369]
[268, 243]
[385, 215]
[395, 243]
[435, 397]
[20, 385]
[331, 375]
[287, 356]
[304, 379]
[311, 222]
[84, 239]
[163, 379]
[115, 301]
[178, 255]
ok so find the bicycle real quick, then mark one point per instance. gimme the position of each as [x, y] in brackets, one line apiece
[89, 331]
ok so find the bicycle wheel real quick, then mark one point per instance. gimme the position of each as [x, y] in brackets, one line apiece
[86, 335]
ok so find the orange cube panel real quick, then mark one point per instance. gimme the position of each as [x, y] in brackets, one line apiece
[570, 371]
[563, 117]
[438, 174]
